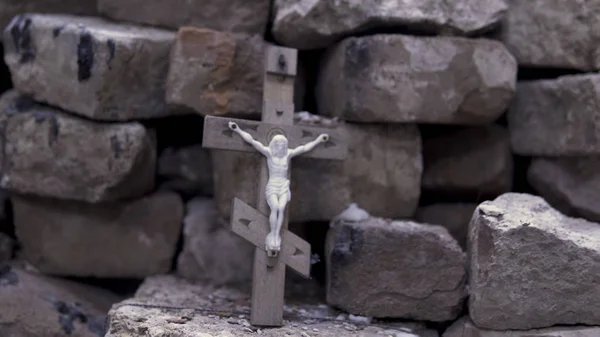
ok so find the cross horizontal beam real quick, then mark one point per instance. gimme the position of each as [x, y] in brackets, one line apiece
[253, 226]
[217, 135]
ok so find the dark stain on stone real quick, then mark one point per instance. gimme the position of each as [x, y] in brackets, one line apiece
[69, 314]
[7, 276]
[116, 146]
[20, 30]
[54, 127]
[23, 103]
[357, 57]
[85, 55]
[56, 31]
[112, 48]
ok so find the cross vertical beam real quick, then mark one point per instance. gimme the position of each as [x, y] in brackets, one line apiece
[268, 282]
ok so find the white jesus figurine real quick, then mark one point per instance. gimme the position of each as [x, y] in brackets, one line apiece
[278, 186]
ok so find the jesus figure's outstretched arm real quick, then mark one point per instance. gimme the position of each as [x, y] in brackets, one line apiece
[309, 146]
[248, 138]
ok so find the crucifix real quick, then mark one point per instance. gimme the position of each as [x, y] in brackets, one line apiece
[278, 140]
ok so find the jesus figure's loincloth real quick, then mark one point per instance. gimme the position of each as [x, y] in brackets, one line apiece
[278, 186]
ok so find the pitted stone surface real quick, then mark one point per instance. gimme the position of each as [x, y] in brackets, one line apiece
[90, 66]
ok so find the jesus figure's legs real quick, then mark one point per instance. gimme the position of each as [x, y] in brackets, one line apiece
[273, 239]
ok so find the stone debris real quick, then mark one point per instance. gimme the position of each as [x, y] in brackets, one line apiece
[11, 8]
[211, 251]
[464, 327]
[216, 73]
[312, 24]
[49, 153]
[186, 170]
[126, 239]
[455, 217]
[571, 185]
[553, 34]
[473, 162]
[407, 79]
[239, 16]
[90, 66]
[556, 117]
[37, 305]
[322, 189]
[531, 266]
[168, 306]
[398, 269]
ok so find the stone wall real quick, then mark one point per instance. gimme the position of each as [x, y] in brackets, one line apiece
[468, 205]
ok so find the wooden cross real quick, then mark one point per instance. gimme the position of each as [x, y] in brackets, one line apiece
[253, 224]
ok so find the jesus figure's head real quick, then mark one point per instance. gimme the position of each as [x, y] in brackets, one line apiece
[278, 146]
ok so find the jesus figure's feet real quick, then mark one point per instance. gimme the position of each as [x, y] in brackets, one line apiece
[272, 244]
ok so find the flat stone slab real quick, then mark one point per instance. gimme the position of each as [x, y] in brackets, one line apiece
[556, 117]
[403, 269]
[464, 327]
[127, 239]
[90, 66]
[217, 73]
[230, 15]
[382, 174]
[311, 24]
[50, 153]
[553, 34]
[168, 306]
[396, 78]
[531, 266]
[474, 162]
[571, 185]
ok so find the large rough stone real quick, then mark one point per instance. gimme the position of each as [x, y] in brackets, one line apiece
[401, 78]
[52, 154]
[553, 33]
[455, 217]
[531, 266]
[382, 174]
[11, 8]
[216, 73]
[36, 305]
[464, 327]
[309, 24]
[211, 251]
[90, 66]
[571, 185]
[400, 269]
[232, 15]
[472, 162]
[129, 239]
[168, 306]
[187, 170]
[557, 117]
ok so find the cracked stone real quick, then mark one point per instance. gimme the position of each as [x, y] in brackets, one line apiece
[90, 66]
[553, 33]
[556, 117]
[312, 24]
[571, 185]
[395, 269]
[521, 248]
[125, 239]
[409, 79]
[49, 153]
[239, 16]
[464, 327]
